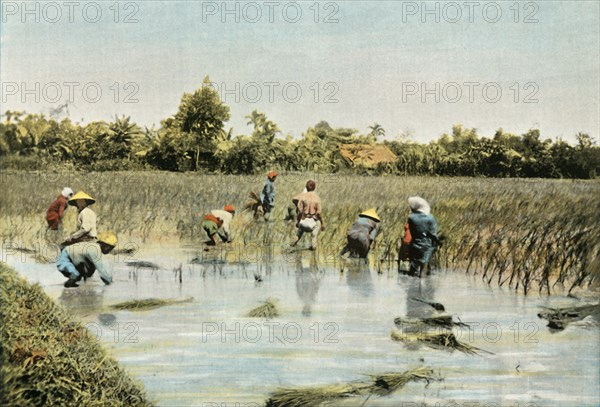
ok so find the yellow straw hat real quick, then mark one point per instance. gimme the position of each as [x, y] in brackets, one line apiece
[108, 237]
[81, 195]
[371, 213]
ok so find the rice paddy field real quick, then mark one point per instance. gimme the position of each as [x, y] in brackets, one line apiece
[257, 323]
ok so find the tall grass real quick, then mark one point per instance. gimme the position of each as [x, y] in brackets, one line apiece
[519, 233]
[48, 359]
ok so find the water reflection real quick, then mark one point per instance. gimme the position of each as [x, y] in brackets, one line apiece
[307, 283]
[358, 277]
[83, 300]
[421, 288]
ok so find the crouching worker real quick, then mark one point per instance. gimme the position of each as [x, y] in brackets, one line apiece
[362, 234]
[84, 258]
[218, 222]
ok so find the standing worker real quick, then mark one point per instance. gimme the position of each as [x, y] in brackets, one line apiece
[82, 259]
[57, 209]
[218, 222]
[267, 195]
[424, 232]
[404, 251]
[362, 234]
[310, 219]
[293, 209]
[86, 220]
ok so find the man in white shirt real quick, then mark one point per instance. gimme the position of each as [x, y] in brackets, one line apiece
[86, 220]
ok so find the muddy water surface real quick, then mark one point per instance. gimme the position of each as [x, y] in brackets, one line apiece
[334, 327]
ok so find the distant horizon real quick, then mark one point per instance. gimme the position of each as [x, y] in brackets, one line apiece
[352, 64]
[283, 135]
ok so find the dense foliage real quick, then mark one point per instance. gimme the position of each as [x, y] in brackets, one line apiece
[194, 138]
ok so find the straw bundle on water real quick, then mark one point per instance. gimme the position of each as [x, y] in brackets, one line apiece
[267, 310]
[444, 321]
[388, 383]
[559, 318]
[378, 385]
[310, 396]
[147, 304]
[444, 340]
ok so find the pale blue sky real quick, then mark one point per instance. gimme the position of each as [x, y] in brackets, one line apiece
[371, 53]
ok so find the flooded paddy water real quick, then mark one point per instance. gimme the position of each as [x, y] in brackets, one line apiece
[334, 327]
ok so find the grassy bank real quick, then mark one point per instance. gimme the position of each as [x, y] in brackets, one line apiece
[522, 233]
[47, 359]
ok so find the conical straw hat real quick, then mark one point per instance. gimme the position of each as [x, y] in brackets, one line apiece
[108, 237]
[81, 195]
[371, 213]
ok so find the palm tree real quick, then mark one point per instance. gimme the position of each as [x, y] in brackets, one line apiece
[376, 131]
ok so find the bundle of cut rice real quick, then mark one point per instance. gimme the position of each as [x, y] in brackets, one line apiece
[444, 340]
[378, 385]
[267, 310]
[254, 204]
[147, 304]
[444, 321]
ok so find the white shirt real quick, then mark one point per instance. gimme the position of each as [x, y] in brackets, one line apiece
[226, 217]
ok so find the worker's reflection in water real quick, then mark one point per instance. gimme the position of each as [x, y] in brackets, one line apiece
[420, 288]
[86, 299]
[358, 276]
[307, 282]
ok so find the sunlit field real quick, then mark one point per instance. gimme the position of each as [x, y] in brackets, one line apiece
[525, 234]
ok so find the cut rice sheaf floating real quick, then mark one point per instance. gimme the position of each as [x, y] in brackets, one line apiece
[559, 318]
[269, 309]
[148, 304]
[444, 340]
[443, 321]
[378, 385]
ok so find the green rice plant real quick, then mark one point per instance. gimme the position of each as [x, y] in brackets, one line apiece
[527, 234]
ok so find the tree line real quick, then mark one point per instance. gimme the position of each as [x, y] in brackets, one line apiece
[195, 139]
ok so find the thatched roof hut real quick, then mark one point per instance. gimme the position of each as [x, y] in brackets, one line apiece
[367, 155]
